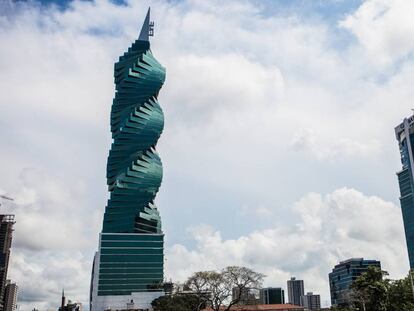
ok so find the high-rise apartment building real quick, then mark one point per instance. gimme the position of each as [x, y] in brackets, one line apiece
[129, 266]
[405, 136]
[10, 296]
[6, 230]
[272, 295]
[311, 301]
[296, 290]
[343, 275]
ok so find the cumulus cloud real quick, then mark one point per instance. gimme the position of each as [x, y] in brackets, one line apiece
[305, 140]
[328, 228]
[53, 241]
[382, 27]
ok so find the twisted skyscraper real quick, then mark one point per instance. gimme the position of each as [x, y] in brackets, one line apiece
[128, 268]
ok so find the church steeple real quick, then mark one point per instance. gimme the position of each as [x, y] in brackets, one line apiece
[63, 298]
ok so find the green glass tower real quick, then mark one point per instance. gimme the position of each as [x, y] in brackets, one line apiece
[404, 133]
[128, 268]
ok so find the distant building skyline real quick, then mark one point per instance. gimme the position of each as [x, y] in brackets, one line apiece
[344, 274]
[404, 133]
[69, 305]
[247, 295]
[264, 307]
[296, 289]
[311, 301]
[272, 295]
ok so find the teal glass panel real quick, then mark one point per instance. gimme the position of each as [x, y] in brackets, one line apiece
[129, 281]
[131, 258]
[132, 251]
[150, 276]
[127, 270]
[130, 287]
[134, 169]
[132, 244]
[132, 237]
[128, 265]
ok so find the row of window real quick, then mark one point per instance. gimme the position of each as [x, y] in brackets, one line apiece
[131, 251]
[121, 258]
[132, 237]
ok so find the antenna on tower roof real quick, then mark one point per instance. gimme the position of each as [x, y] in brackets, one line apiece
[147, 29]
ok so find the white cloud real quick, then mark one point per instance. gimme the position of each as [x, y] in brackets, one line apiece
[41, 284]
[54, 238]
[248, 97]
[383, 27]
[329, 228]
[332, 147]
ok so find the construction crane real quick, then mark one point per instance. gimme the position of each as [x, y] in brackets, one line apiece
[5, 198]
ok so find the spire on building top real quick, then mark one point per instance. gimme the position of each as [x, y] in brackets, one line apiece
[63, 302]
[147, 29]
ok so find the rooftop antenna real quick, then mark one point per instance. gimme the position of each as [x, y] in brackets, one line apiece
[147, 29]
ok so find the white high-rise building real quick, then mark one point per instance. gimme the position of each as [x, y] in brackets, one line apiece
[296, 289]
[10, 296]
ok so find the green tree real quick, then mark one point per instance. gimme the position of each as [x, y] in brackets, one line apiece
[400, 295]
[370, 290]
[215, 287]
[178, 302]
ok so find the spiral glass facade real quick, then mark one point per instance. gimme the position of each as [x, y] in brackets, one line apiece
[130, 258]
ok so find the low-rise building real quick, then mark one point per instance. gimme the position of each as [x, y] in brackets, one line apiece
[272, 295]
[311, 301]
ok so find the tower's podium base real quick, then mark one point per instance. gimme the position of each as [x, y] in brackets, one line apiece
[127, 271]
[135, 301]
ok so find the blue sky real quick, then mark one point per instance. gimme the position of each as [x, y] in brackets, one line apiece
[328, 9]
[278, 137]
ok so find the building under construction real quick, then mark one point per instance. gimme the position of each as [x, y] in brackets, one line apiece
[6, 230]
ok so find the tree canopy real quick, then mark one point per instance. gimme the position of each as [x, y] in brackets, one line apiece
[215, 287]
[178, 302]
[371, 291]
